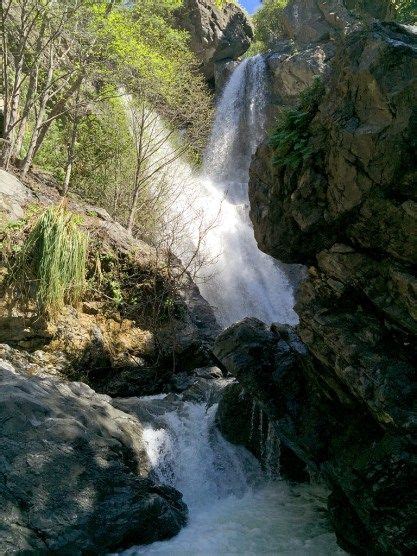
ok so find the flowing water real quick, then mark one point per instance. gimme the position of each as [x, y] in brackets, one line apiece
[245, 281]
[235, 507]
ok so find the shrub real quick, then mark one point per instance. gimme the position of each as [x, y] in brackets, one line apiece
[291, 137]
[52, 261]
[268, 24]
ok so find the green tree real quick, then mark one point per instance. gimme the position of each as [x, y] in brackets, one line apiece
[406, 11]
[268, 24]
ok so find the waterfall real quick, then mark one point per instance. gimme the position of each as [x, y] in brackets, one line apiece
[205, 215]
[243, 281]
[236, 505]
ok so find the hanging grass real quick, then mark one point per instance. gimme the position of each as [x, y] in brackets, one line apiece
[51, 264]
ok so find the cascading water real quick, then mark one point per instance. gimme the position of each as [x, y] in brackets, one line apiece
[244, 281]
[235, 507]
[207, 221]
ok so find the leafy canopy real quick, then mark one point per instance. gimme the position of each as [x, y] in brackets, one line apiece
[268, 24]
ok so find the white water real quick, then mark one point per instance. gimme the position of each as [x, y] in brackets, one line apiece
[206, 222]
[245, 282]
[233, 507]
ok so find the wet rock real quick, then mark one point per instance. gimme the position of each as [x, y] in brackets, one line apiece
[75, 471]
[322, 423]
[216, 33]
[222, 72]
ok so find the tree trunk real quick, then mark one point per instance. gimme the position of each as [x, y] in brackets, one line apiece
[27, 162]
[132, 212]
[56, 111]
[11, 112]
[71, 149]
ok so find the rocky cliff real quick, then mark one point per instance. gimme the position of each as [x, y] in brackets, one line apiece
[218, 34]
[311, 31]
[113, 340]
[348, 210]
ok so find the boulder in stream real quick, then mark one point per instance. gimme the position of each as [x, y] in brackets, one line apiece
[323, 425]
[75, 474]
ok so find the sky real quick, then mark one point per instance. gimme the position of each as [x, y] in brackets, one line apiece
[250, 5]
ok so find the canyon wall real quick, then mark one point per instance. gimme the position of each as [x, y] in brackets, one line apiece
[346, 408]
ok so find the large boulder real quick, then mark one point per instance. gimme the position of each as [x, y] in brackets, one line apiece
[314, 21]
[291, 70]
[323, 425]
[76, 477]
[216, 33]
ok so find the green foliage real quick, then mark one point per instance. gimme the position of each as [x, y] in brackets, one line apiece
[104, 159]
[291, 137]
[222, 3]
[51, 157]
[116, 292]
[146, 293]
[406, 11]
[152, 58]
[268, 24]
[52, 261]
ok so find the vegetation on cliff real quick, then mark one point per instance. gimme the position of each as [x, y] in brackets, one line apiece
[407, 11]
[52, 261]
[291, 137]
[268, 24]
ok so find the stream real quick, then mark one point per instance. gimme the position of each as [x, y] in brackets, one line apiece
[235, 507]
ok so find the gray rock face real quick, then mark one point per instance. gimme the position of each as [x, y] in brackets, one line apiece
[292, 72]
[358, 185]
[215, 33]
[323, 424]
[311, 29]
[75, 476]
[349, 210]
[313, 21]
[222, 72]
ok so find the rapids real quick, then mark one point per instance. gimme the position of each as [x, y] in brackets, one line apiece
[234, 508]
